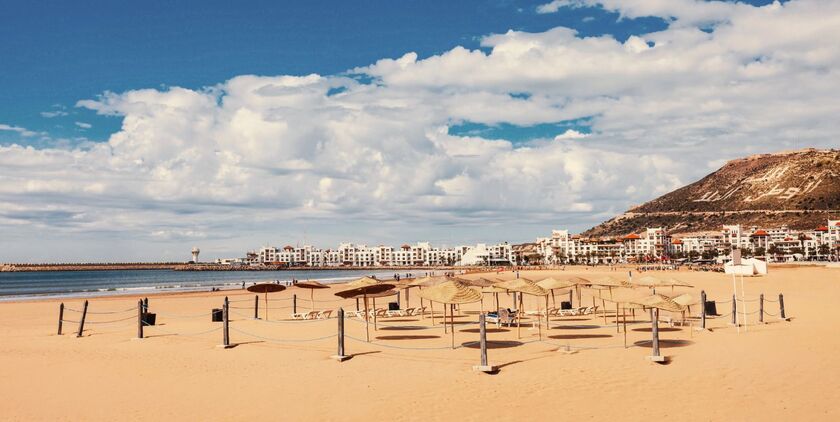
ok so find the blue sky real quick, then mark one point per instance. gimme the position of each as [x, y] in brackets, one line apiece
[58, 52]
[135, 130]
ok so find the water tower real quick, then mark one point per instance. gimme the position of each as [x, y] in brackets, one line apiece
[195, 252]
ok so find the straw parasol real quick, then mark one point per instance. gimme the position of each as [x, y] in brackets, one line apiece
[495, 292]
[528, 287]
[654, 282]
[311, 285]
[481, 282]
[451, 292]
[552, 284]
[364, 287]
[428, 281]
[578, 282]
[266, 288]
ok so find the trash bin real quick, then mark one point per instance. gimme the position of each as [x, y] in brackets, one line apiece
[148, 318]
[566, 305]
[393, 306]
[217, 315]
[711, 307]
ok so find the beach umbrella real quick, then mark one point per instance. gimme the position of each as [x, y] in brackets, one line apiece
[552, 284]
[480, 282]
[427, 281]
[654, 282]
[578, 282]
[528, 287]
[495, 292]
[312, 285]
[265, 289]
[451, 293]
[362, 288]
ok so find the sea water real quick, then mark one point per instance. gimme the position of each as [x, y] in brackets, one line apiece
[38, 285]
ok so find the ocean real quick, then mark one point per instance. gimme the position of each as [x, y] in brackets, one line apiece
[48, 284]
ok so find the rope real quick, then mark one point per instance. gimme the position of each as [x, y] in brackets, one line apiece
[771, 314]
[110, 322]
[203, 314]
[770, 300]
[296, 321]
[71, 321]
[282, 340]
[133, 308]
[390, 346]
[182, 334]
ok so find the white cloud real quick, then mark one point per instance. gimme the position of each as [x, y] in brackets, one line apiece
[555, 5]
[258, 154]
[17, 129]
[84, 125]
[55, 113]
[571, 134]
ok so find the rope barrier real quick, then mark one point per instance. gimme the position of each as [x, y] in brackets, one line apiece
[182, 334]
[390, 346]
[203, 314]
[282, 340]
[112, 321]
[133, 308]
[295, 321]
[71, 321]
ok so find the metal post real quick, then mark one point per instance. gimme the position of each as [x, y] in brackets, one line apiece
[140, 307]
[226, 327]
[782, 306]
[256, 306]
[734, 312]
[60, 316]
[294, 303]
[703, 309]
[82, 322]
[761, 308]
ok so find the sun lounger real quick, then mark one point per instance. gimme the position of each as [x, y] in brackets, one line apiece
[325, 314]
[503, 316]
[395, 312]
[305, 315]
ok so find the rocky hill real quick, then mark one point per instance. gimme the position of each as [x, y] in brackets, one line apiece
[797, 188]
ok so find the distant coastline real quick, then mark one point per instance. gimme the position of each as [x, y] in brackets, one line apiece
[200, 267]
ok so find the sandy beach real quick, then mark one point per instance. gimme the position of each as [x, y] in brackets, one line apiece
[282, 370]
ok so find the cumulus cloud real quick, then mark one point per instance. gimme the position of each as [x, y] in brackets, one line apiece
[261, 152]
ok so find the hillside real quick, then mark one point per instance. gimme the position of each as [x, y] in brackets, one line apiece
[798, 188]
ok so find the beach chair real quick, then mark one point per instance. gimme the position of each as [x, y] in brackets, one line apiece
[503, 316]
[325, 314]
[305, 315]
[395, 312]
[378, 312]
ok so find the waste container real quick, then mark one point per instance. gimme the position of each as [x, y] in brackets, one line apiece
[711, 307]
[393, 306]
[217, 315]
[148, 318]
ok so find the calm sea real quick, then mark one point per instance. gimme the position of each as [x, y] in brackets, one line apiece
[36, 285]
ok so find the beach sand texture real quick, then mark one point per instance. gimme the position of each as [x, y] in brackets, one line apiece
[776, 371]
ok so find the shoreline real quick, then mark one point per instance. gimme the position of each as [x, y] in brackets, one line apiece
[19, 268]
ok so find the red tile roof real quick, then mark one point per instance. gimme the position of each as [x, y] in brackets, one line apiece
[677, 242]
[632, 236]
[822, 229]
[760, 233]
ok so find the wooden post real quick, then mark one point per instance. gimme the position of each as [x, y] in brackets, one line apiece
[703, 309]
[406, 298]
[145, 305]
[782, 306]
[654, 321]
[60, 316]
[482, 330]
[452, 323]
[734, 312]
[226, 327]
[140, 307]
[294, 303]
[761, 308]
[570, 297]
[357, 304]
[82, 321]
[256, 306]
[341, 356]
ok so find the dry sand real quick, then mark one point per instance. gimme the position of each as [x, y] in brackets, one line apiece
[777, 371]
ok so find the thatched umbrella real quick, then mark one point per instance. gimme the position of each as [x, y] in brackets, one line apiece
[450, 293]
[495, 291]
[428, 281]
[266, 288]
[654, 282]
[528, 287]
[552, 284]
[364, 287]
[578, 282]
[311, 285]
[480, 282]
